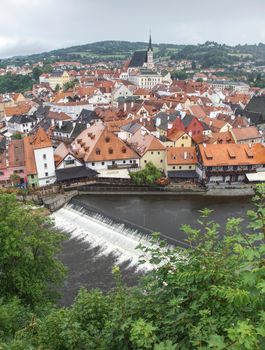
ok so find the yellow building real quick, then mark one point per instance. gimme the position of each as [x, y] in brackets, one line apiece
[181, 163]
[178, 139]
[58, 78]
[150, 149]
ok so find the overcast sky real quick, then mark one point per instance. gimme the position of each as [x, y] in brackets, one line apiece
[31, 26]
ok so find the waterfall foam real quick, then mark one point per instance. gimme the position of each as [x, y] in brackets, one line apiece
[112, 235]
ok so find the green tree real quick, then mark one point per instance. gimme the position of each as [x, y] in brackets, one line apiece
[29, 267]
[69, 85]
[147, 176]
[17, 136]
[36, 72]
[57, 88]
[179, 75]
[208, 296]
[15, 83]
[15, 179]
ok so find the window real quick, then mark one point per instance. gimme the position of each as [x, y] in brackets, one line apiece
[174, 167]
[44, 156]
[45, 165]
[158, 152]
[145, 161]
[124, 162]
[69, 162]
[110, 150]
[102, 163]
[32, 176]
[113, 162]
[190, 167]
[93, 164]
[97, 151]
[182, 145]
[152, 152]
[235, 167]
[46, 174]
[161, 161]
[131, 161]
[1, 173]
[180, 167]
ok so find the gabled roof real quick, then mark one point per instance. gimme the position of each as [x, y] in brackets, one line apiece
[17, 110]
[86, 116]
[79, 127]
[181, 155]
[255, 110]
[66, 128]
[187, 120]
[232, 154]
[30, 163]
[244, 134]
[131, 127]
[21, 119]
[41, 140]
[16, 153]
[98, 144]
[73, 173]
[138, 59]
[142, 142]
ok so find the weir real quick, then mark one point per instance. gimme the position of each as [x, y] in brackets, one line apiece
[114, 236]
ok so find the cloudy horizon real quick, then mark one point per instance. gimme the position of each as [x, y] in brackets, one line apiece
[35, 26]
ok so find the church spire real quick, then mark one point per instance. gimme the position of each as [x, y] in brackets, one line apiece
[150, 43]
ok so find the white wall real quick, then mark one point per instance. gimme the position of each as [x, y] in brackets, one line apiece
[63, 164]
[46, 174]
[100, 166]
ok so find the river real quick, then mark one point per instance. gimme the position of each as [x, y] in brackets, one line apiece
[104, 230]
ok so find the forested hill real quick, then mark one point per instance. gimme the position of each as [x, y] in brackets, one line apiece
[207, 54]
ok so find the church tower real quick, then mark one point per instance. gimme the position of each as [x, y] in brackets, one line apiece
[150, 58]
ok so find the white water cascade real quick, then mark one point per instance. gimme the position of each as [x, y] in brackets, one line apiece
[100, 231]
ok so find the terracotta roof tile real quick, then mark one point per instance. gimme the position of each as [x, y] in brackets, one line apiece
[232, 154]
[181, 155]
[41, 140]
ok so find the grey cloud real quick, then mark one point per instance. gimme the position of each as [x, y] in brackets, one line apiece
[29, 26]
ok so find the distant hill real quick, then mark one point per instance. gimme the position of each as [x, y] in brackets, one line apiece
[209, 54]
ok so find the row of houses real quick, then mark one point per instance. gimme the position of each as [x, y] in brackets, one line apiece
[98, 152]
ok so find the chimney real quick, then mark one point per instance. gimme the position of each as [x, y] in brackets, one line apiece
[185, 155]
[52, 121]
[204, 145]
[60, 123]
[132, 104]
[124, 107]
[169, 126]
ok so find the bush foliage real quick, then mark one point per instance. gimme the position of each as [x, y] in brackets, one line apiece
[209, 296]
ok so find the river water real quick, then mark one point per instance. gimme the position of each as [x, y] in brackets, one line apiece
[104, 231]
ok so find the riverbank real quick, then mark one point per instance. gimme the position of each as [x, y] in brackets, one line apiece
[57, 197]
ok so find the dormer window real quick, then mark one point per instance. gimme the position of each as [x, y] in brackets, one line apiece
[124, 150]
[107, 139]
[110, 150]
[97, 151]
